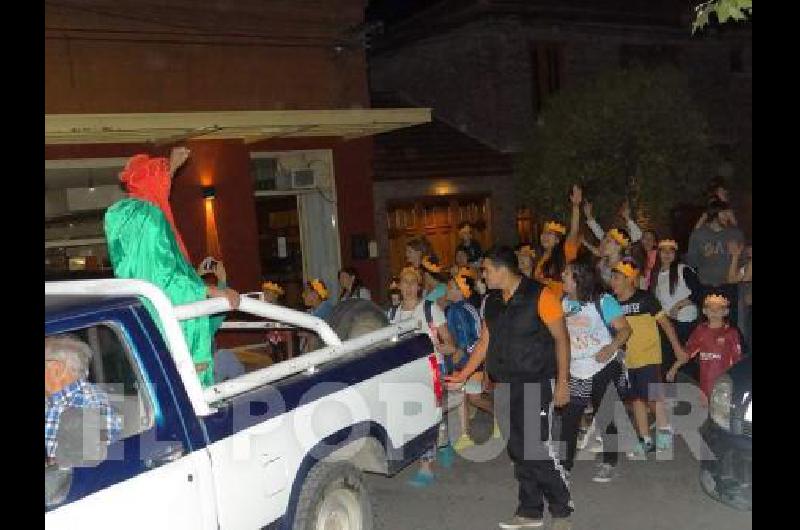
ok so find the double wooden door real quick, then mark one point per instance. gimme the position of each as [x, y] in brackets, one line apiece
[438, 219]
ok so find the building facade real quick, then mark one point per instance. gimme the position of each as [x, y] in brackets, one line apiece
[272, 100]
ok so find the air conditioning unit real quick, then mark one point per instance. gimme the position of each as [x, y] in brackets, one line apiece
[303, 178]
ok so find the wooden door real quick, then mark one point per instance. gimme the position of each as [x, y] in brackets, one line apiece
[437, 218]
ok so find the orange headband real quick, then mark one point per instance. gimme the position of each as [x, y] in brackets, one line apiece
[668, 243]
[552, 226]
[716, 300]
[274, 287]
[619, 237]
[431, 267]
[463, 286]
[626, 269]
[527, 251]
[319, 288]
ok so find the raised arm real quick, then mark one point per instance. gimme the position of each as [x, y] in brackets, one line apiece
[576, 197]
[633, 228]
[591, 222]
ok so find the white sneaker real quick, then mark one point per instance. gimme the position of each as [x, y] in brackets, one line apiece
[597, 446]
[605, 473]
[522, 522]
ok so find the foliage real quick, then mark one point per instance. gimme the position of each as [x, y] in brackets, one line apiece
[724, 10]
[634, 134]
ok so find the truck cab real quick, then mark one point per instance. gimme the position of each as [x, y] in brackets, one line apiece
[280, 447]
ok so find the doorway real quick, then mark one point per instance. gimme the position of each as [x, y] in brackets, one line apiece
[280, 244]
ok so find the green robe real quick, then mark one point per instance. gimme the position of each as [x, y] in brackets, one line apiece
[142, 246]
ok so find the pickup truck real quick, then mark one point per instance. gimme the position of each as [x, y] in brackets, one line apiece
[281, 447]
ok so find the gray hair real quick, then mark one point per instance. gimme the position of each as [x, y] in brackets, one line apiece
[70, 350]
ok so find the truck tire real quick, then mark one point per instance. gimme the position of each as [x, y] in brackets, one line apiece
[353, 318]
[334, 497]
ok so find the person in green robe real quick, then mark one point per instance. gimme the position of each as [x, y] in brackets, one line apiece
[144, 244]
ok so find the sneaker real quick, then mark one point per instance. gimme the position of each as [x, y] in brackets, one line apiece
[597, 446]
[522, 522]
[463, 442]
[642, 448]
[421, 479]
[605, 473]
[561, 523]
[583, 439]
[663, 440]
[446, 456]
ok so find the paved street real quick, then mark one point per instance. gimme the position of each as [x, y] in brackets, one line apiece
[475, 496]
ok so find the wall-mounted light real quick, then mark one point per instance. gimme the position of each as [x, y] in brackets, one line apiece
[91, 184]
[209, 192]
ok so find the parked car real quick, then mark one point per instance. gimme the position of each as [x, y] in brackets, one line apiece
[282, 447]
[729, 434]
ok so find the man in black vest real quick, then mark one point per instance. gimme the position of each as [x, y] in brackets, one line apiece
[525, 341]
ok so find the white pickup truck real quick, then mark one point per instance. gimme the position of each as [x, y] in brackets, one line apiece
[282, 447]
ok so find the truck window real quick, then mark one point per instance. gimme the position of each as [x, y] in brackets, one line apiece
[113, 371]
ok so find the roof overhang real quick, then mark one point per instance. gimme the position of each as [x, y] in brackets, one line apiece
[250, 126]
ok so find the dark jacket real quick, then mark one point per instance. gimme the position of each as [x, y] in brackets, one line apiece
[521, 348]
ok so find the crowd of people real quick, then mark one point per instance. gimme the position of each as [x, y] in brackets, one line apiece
[579, 319]
[576, 319]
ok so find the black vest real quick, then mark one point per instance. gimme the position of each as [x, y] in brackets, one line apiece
[521, 348]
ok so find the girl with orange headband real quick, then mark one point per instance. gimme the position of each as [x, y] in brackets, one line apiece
[676, 287]
[317, 298]
[558, 250]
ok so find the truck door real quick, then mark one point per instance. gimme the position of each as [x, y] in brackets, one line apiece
[153, 476]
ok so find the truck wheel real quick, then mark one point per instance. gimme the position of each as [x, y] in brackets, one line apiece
[334, 497]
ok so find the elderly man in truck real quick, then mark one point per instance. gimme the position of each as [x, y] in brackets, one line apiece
[66, 368]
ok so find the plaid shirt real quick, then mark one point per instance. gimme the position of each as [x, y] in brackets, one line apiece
[79, 394]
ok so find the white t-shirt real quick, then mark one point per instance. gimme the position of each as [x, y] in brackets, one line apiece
[687, 313]
[588, 333]
[437, 316]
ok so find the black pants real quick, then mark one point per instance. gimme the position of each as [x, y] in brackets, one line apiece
[536, 468]
[604, 415]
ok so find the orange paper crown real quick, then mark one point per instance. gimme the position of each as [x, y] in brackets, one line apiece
[627, 269]
[319, 288]
[463, 286]
[552, 226]
[430, 266]
[526, 250]
[274, 287]
[668, 243]
[469, 272]
[716, 300]
[619, 237]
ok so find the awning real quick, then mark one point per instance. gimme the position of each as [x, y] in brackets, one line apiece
[250, 126]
